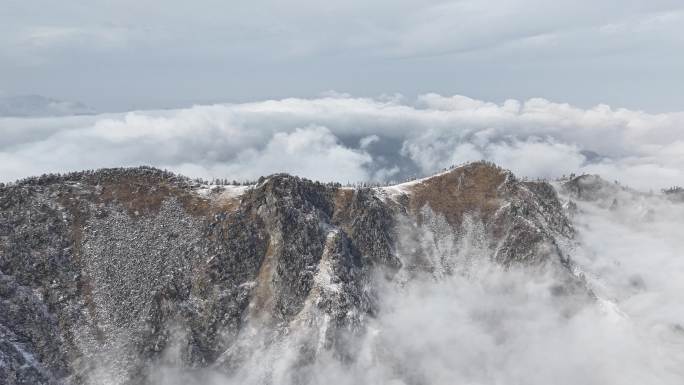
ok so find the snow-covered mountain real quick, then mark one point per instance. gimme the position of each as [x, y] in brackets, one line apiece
[136, 276]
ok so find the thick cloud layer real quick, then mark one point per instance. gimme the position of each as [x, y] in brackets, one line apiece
[342, 138]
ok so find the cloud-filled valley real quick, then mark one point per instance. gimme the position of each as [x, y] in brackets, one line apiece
[342, 138]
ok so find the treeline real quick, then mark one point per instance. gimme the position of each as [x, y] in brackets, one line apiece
[97, 176]
[674, 190]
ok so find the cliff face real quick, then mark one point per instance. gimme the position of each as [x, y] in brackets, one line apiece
[105, 275]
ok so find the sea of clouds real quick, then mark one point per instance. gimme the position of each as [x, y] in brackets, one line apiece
[337, 137]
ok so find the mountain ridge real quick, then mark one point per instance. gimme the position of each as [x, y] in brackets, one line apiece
[122, 265]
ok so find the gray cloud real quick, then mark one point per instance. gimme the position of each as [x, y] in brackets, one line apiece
[343, 138]
[129, 54]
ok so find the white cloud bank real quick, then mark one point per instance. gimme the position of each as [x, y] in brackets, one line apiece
[342, 138]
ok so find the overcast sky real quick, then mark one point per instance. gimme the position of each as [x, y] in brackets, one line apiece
[132, 54]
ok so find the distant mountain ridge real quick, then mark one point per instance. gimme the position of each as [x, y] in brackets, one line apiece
[40, 106]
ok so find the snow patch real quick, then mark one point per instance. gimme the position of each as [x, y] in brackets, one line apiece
[323, 277]
[231, 192]
[395, 191]
[221, 192]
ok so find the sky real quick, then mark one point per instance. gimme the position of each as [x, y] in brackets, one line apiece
[126, 55]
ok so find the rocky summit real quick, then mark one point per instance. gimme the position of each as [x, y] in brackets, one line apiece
[106, 275]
